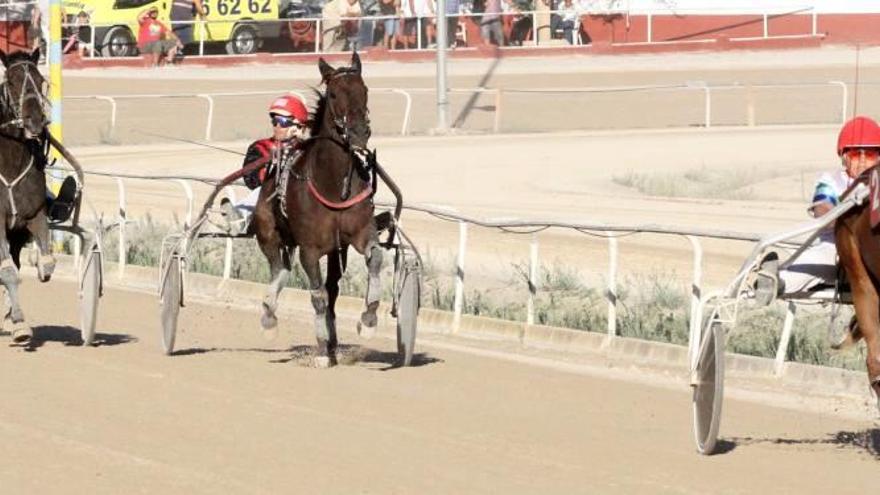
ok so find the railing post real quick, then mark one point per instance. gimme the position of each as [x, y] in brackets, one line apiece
[533, 279]
[708, 111]
[534, 28]
[123, 251]
[766, 27]
[497, 125]
[112, 112]
[458, 303]
[815, 22]
[418, 33]
[650, 28]
[696, 295]
[187, 190]
[611, 293]
[227, 257]
[318, 35]
[210, 122]
[785, 339]
[406, 112]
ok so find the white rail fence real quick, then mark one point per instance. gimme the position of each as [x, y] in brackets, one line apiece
[407, 93]
[531, 228]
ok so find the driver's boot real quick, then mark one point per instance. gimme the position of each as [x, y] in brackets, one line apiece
[768, 286]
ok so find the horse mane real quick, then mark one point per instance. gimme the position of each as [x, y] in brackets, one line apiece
[318, 114]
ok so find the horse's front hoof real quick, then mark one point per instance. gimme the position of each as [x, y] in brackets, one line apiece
[366, 332]
[45, 268]
[22, 334]
[323, 362]
[268, 321]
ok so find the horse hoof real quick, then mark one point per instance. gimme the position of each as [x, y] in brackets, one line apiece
[268, 321]
[45, 268]
[322, 362]
[22, 334]
[366, 332]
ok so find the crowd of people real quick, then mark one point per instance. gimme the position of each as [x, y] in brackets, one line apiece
[346, 25]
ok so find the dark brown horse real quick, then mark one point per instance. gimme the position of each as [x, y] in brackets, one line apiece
[23, 120]
[326, 206]
[858, 246]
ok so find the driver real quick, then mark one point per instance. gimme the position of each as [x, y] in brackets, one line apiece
[858, 146]
[289, 117]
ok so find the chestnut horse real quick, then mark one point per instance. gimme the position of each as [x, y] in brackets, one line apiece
[858, 247]
[326, 206]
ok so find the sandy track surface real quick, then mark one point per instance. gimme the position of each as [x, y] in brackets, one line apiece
[235, 414]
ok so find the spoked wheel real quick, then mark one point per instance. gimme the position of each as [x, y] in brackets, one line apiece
[89, 293]
[408, 304]
[708, 383]
[171, 295]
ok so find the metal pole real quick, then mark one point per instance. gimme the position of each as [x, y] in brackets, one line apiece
[785, 339]
[123, 252]
[611, 294]
[442, 90]
[55, 94]
[459, 277]
[533, 279]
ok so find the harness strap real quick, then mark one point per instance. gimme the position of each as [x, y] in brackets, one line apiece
[10, 185]
[364, 194]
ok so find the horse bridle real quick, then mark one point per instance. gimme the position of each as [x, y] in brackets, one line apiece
[28, 81]
[340, 124]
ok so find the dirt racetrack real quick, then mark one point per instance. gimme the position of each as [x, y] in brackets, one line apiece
[234, 414]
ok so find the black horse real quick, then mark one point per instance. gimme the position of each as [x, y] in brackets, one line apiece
[24, 115]
[324, 207]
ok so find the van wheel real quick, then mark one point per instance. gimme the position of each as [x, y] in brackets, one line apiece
[244, 41]
[118, 43]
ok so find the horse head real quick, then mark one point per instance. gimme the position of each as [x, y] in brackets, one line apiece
[24, 94]
[345, 108]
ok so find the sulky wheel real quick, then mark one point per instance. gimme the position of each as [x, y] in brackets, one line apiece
[708, 384]
[171, 294]
[89, 294]
[408, 313]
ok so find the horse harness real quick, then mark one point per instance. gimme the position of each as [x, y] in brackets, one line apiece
[285, 157]
[17, 120]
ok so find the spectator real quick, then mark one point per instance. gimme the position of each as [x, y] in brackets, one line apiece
[426, 10]
[452, 11]
[185, 12]
[369, 9]
[350, 27]
[568, 15]
[520, 27]
[81, 36]
[390, 9]
[155, 39]
[490, 23]
[409, 21]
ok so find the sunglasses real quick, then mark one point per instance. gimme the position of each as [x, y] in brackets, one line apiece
[867, 153]
[285, 122]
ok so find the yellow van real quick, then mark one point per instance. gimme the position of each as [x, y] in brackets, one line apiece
[232, 22]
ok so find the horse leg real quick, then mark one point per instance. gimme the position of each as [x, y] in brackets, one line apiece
[39, 229]
[335, 267]
[310, 261]
[279, 268]
[866, 302]
[373, 255]
[13, 322]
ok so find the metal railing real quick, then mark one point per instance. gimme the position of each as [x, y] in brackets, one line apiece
[331, 27]
[531, 228]
[407, 94]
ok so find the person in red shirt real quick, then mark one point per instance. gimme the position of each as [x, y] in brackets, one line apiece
[155, 39]
[289, 118]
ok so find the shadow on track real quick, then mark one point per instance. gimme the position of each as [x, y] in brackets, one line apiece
[865, 441]
[347, 355]
[70, 336]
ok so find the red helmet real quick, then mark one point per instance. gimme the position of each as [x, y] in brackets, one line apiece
[290, 106]
[858, 132]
